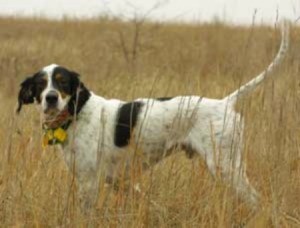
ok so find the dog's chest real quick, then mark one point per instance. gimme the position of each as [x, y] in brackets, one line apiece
[89, 136]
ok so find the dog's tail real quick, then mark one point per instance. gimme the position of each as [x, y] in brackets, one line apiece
[248, 87]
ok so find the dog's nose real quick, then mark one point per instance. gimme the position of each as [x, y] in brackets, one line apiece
[52, 97]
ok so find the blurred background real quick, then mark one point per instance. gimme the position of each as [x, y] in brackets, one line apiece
[231, 11]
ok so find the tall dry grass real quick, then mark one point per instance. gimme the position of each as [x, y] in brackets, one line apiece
[129, 60]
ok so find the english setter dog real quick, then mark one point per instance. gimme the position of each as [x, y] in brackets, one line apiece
[96, 133]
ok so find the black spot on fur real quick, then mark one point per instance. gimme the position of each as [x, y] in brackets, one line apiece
[78, 99]
[125, 122]
[31, 89]
[26, 93]
[69, 83]
[65, 81]
[164, 98]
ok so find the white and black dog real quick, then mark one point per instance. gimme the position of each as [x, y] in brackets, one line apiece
[95, 133]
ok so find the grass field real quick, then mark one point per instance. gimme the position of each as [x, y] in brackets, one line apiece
[130, 60]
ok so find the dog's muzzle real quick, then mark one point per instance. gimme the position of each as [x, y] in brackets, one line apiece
[51, 99]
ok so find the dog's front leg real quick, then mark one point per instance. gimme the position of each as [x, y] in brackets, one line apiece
[88, 189]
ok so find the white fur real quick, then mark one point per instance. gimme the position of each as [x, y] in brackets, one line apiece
[211, 127]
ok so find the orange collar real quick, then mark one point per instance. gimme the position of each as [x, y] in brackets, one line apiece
[63, 119]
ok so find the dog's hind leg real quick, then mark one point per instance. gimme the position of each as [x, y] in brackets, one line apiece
[233, 165]
[232, 171]
[224, 160]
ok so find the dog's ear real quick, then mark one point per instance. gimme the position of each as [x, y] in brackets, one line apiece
[26, 93]
[75, 81]
[79, 94]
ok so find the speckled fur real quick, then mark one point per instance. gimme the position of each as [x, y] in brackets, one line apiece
[210, 127]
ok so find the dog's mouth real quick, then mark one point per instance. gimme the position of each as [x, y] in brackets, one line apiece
[51, 111]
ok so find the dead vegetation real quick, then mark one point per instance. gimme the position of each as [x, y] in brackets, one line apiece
[130, 60]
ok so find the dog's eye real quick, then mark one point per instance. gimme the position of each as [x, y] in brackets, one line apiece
[63, 82]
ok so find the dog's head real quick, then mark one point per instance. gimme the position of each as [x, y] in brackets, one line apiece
[54, 88]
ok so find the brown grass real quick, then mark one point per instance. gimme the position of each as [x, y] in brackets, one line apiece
[123, 60]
